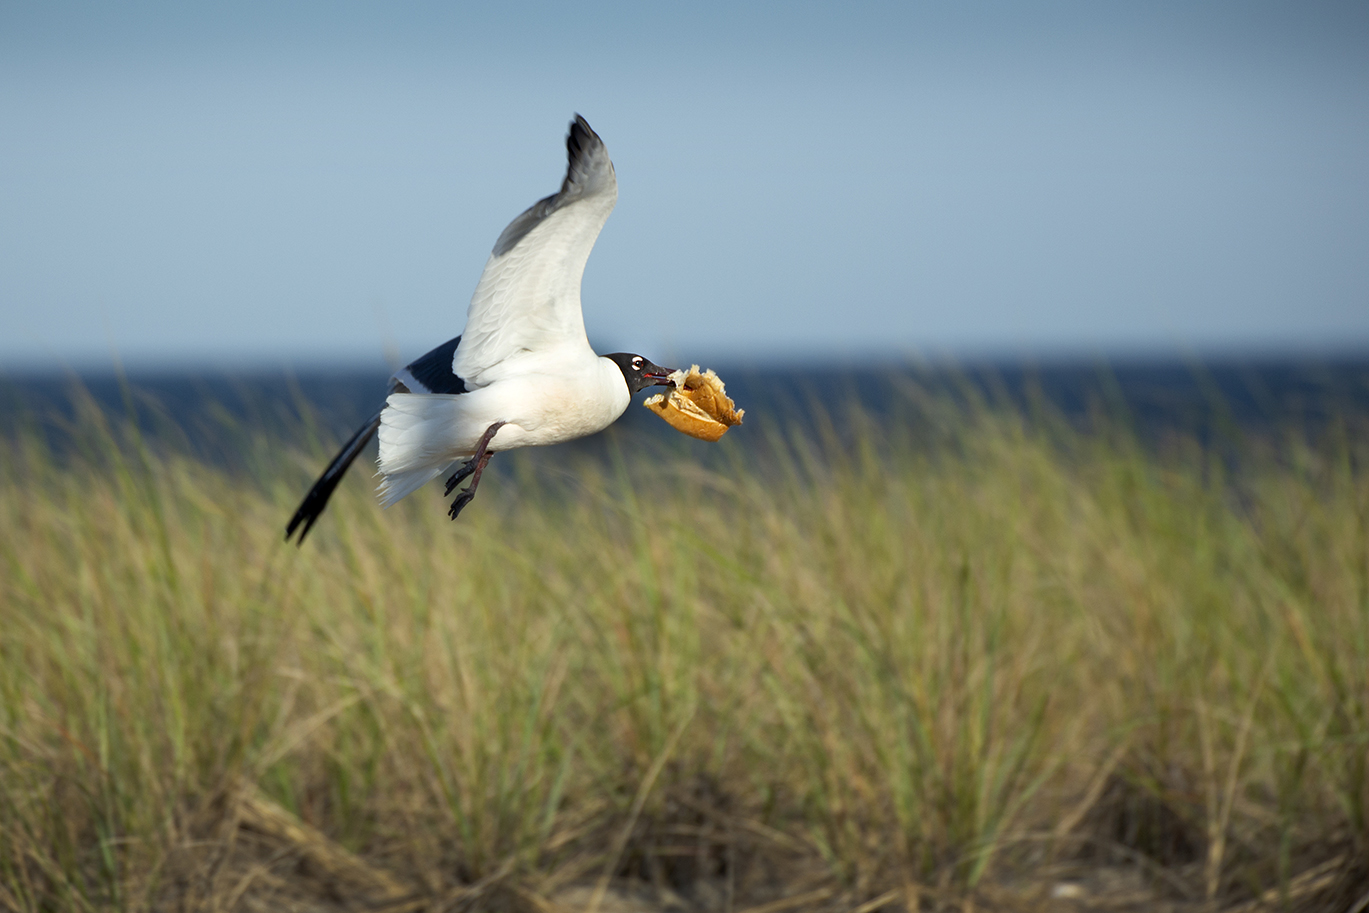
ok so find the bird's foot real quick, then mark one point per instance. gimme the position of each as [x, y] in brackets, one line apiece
[459, 476]
[460, 503]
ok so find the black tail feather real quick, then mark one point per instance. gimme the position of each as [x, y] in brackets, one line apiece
[317, 498]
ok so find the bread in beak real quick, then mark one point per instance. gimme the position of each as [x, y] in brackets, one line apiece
[696, 404]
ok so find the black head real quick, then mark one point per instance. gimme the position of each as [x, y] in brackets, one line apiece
[638, 372]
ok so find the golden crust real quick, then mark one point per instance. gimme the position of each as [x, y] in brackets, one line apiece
[697, 405]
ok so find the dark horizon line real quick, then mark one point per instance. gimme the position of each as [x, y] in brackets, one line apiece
[807, 359]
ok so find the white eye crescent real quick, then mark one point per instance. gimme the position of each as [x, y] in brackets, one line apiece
[636, 362]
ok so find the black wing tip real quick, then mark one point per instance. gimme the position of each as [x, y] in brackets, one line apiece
[317, 499]
[301, 516]
[311, 509]
[581, 127]
[580, 140]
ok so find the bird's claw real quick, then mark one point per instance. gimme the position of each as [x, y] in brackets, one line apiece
[459, 476]
[460, 503]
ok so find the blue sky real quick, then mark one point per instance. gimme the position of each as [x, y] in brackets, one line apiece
[320, 183]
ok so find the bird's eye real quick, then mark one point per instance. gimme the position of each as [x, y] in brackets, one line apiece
[636, 362]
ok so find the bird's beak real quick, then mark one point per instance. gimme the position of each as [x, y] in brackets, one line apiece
[657, 375]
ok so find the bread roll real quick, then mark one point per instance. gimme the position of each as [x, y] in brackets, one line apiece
[696, 404]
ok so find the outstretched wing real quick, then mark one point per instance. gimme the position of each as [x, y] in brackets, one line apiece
[528, 298]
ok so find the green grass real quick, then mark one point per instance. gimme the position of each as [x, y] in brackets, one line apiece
[873, 660]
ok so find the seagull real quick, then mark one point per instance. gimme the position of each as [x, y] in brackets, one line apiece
[522, 373]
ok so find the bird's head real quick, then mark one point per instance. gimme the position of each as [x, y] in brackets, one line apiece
[639, 372]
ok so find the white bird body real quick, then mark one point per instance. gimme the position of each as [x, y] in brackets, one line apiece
[564, 399]
[522, 373]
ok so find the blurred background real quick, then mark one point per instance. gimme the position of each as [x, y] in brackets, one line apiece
[231, 202]
[317, 185]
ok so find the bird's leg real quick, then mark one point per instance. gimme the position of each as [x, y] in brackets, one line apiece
[468, 494]
[469, 466]
[473, 468]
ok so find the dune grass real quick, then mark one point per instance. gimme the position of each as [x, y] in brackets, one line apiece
[904, 662]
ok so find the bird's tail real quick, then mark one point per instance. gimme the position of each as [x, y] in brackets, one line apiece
[415, 442]
[395, 486]
[317, 498]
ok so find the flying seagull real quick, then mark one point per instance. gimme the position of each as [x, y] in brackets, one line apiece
[522, 374]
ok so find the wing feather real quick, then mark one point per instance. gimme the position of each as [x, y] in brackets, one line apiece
[528, 297]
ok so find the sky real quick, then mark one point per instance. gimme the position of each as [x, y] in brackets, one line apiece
[308, 184]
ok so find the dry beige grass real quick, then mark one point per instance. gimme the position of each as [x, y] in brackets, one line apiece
[1019, 667]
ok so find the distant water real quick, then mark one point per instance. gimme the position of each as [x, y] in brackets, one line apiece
[205, 413]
